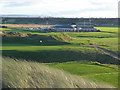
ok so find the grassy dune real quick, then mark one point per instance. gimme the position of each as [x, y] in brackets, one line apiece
[23, 74]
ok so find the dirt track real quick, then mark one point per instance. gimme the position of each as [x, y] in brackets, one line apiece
[105, 51]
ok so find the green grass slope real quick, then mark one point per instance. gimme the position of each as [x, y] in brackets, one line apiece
[92, 70]
[62, 53]
[108, 37]
[23, 74]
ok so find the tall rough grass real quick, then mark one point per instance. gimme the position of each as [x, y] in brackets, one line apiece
[23, 74]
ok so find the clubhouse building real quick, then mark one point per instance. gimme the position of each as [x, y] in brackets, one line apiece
[79, 27]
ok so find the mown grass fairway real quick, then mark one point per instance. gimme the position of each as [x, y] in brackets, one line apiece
[91, 70]
[65, 50]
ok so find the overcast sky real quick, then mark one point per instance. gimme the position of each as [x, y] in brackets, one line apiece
[61, 8]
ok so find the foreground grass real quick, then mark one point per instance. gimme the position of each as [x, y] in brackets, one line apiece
[23, 74]
[91, 70]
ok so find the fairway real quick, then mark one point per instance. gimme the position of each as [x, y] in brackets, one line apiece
[91, 70]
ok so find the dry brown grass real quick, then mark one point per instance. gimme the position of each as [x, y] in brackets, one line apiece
[25, 25]
[14, 34]
[23, 74]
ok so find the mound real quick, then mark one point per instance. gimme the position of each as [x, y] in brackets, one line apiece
[23, 74]
[13, 34]
[24, 38]
[63, 37]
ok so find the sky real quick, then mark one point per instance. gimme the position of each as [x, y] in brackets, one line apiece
[61, 8]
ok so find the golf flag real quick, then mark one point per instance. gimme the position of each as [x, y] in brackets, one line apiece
[40, 40]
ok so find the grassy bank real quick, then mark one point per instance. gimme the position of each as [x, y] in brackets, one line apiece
[62, 53]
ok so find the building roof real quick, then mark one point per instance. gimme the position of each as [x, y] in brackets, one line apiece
[84, 25]
[63, 26]
[88, 29]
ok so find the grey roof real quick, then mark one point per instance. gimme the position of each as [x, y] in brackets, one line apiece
[63, 26]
